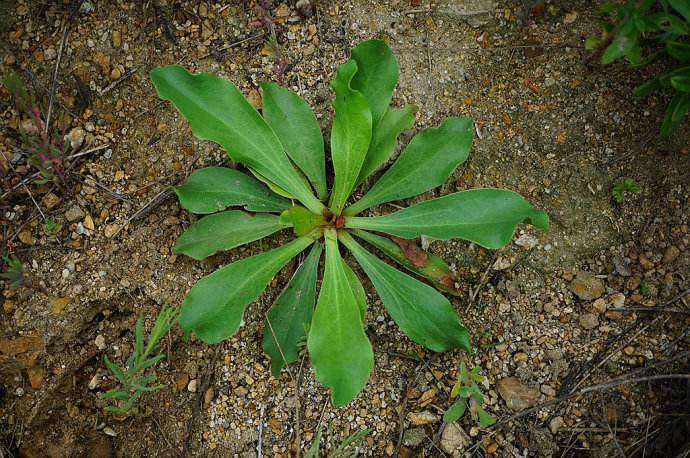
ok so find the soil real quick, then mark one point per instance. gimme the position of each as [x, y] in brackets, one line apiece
[600, 296]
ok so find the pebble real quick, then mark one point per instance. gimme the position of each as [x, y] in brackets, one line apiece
[520, 357]
[517, 396]
[422, 418]
[50, 54]
[50, 200]
[414, 437]
[645, 263]
[527, 241]
[599, 305]
[670, 254]
[25, 237]
[454, 440]
[617, 300]
[100, 342]
[548, 391]
[108, 431]
[556, 424]
[502, 263]
[192, 386]
[76, 137]
[589, 321]
[587, 287]
[116, 39]
[75, 213]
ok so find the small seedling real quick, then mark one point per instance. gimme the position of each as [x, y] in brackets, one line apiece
[133, 379]
[45, 148]
[284, 149]
[11, 269]
[468, 393]
[623, 188]
[51, 228]
[346, 449]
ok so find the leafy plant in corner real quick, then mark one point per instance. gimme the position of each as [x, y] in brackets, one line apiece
[623, 188]
[284, 149]
[643, 32]
[133, 379]
[11, 270]
[469, 395]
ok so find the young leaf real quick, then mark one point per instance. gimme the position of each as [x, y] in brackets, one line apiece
[427, 162]
[341, 354]
[225, 230]
[213, 189]
[676, 109]
[625, 39]
[350, 135]
[285, 322]
[646, 88]
[485, 418]
[376, 77]
[455, 412]
[217, 111]
[314, 449]
[421, 312]
[115, 369]
[679, 51]
[433, 268]
[214, 307]
[302, 220]
[384, 138]
[298, 130]
[487, 217]
[139, 339]
[681, 83]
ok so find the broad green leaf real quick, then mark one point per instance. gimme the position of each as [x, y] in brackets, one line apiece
[427, 162]
[485, 418]
[298, 130]
[681, 83]
[341, 354]
[676, 109]
[679, 51]
[214, 307]
[357, 289]
[376, 77]
[213, 189]
[682, 6]
[421, 262]
[624, 41]
[286, 320]
[350, 135]
[303, 221]
[225, 230]
[271, 185]
[455, 412]
[487, 217]
[421, 312]
[384, 138]
[217, 111]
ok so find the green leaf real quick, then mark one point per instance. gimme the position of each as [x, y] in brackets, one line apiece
[647, 87]
[341, 354]
[217, 111]
[115, 393]
[294, 123]
[225, 230]
[676, 109]
[421, 312]
[426, 264]
[350, 135]
[291, 312]
[485, 419]
[455, 412]
[679, 51]
[213, 189]
[344, 447]
[116, 370]
[303, 221]
[313, 451]
[487, 217]
[271, 185]
[139, 338]
[592, 42]
[681, 83]
[682, 6]
[214, 307]
[376, 77]
[625, 39]
[384, 138]
[151, 361]
[427, 162]
[357, 289]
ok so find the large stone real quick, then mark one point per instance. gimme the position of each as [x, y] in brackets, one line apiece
[75, 213]
[587, 287]
[422, 418]
[454, 440]
[517, 396]
[414, 437]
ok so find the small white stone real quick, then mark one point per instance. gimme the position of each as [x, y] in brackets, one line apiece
[191, 387]
[100, 342]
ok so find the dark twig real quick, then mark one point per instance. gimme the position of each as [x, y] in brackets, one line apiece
[65, 31]
[117, 82]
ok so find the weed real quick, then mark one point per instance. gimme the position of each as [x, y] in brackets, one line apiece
[468, 393]
[623, 188]
[11, 270]
[284, 149]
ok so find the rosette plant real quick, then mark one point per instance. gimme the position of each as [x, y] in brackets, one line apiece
[283, 149]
